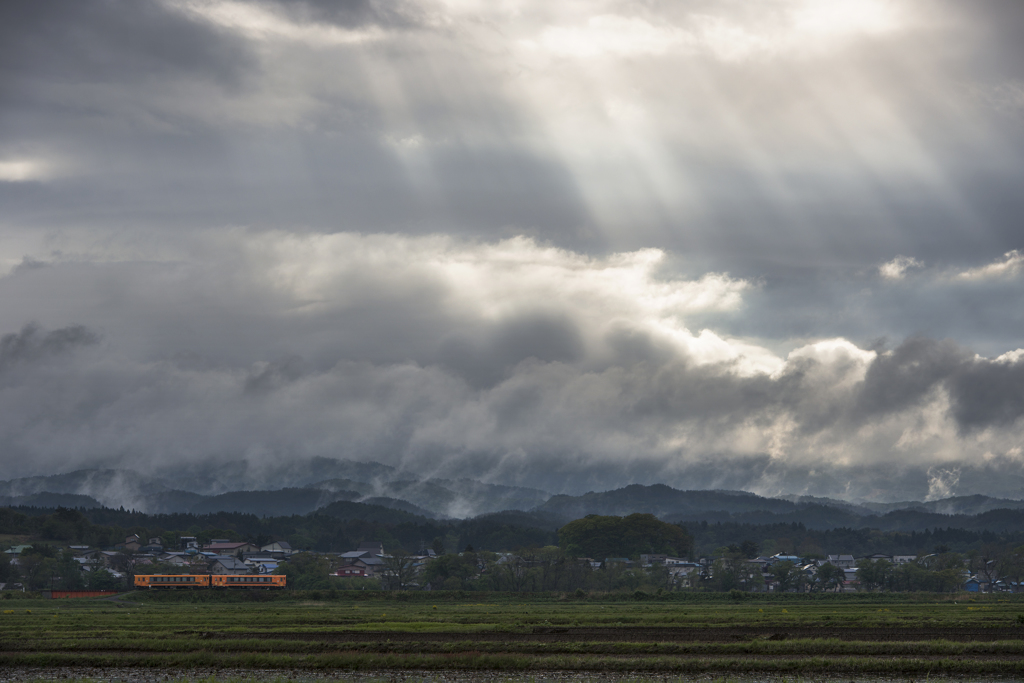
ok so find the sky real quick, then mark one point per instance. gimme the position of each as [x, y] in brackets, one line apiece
[772, 246]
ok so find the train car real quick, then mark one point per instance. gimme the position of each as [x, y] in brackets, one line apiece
[247, 581]
[172, 580]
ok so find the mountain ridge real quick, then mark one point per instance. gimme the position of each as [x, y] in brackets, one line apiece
[303, 489]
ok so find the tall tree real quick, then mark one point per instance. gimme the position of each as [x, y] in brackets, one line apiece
[600, 536]
[830, 577]
[399, 570]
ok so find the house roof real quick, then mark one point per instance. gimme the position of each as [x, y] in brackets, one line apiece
[224, 546]
[283, 545]
[231, 563]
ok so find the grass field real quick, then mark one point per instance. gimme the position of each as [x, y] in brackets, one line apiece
[800, 635]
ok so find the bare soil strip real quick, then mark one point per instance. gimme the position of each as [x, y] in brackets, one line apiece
[648, 635]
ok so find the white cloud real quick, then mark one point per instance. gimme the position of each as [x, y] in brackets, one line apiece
[785, 28]
[496, 281]
[24, 170]
[942, 483]
[1010, 357]
[1009, 266]
[898, 267]
[609, 34]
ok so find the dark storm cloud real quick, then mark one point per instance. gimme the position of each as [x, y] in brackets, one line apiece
[352, 13]
[267, 377]
[109, 42]
[488, 358]
[903, 378]
[32, 343]
[987, 393]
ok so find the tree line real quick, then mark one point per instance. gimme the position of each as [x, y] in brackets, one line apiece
[796, 539]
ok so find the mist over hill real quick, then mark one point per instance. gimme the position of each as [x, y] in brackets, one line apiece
[297, 487]
[351, 488]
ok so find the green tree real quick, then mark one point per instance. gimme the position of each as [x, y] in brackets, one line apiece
[875, 574]
[1011, 566]
[787, 575]
[830, 577]
[37, 570]
[511, 574]
[731, 571]
[600, 536]
[451, 570]
[69, 571]
[126, 561]
[306, 571]
[8, 571]
[400, 570]
[102, 580]
[749, 549]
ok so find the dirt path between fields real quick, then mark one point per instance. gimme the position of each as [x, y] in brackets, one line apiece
[650, 635]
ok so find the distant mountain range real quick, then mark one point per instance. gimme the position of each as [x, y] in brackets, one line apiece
[318, 482]
[348, 488]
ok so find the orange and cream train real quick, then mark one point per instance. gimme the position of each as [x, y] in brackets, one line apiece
[209, 581]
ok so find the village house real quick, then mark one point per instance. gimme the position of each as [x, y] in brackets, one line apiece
[368, 557]
[176, 559]
[131, 543]
[278, 550]
[88, 559]
[877, 556]
[684, 574]
[374, 565]
[228, 565]
[841, 561]
[623, 562]
[222, 547]
[352, 571]
[260, 563]
[782, 557]
[375, 547]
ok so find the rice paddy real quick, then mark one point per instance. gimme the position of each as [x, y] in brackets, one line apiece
[335, 634]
